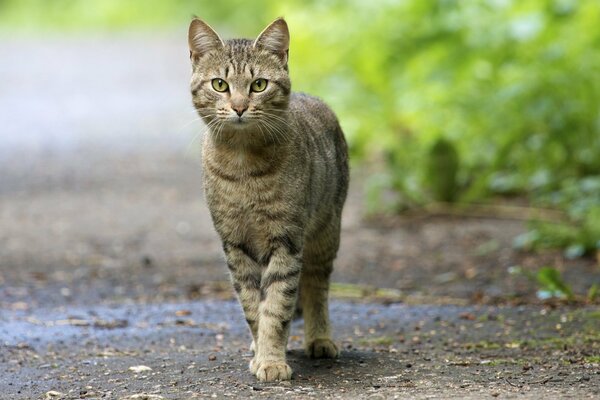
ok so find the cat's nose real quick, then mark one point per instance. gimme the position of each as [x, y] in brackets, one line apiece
[239, 110]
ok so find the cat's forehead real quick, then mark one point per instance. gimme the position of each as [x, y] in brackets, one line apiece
[240, 49]
[241, 57]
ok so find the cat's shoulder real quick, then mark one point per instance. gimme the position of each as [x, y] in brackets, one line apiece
[304, 105]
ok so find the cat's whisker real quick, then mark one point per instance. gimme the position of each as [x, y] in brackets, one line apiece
[282, 134]
[206, 128]
[265, 137]
[279, 118]
[275, 112]
[271, 130]
[280, 121]
[192, 121]
[279, 135]
[219, 130]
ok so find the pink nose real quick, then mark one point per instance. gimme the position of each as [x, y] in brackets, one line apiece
[239, 110]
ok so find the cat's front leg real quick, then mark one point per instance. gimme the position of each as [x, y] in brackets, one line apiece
[279, 289]
[245, 276]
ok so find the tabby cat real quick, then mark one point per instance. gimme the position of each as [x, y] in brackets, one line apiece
[275, 179]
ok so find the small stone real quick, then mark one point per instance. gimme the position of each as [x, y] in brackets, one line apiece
[212, 357]
[140, 368]
[146, 261]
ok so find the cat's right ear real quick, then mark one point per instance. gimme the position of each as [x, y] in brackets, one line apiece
[276, 39]
[202, 39]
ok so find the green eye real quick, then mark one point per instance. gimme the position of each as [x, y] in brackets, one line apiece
[258, 85]
[220, 85]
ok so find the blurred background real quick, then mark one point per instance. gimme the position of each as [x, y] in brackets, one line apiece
[474, 130]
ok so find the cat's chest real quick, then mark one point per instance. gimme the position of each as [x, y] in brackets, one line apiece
[245, 219]
[249, 208]
[253, 198]
[240, 194]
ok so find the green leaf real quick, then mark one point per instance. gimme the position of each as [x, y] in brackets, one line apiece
[592, 293]
[551, 281]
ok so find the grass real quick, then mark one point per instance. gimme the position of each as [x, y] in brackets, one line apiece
[377, 341]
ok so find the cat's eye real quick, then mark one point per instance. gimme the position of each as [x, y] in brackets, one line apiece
[258, 85]
[220, 85]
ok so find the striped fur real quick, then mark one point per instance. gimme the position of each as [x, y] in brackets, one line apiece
[275, 181]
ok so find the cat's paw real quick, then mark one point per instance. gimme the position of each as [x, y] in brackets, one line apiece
[322, 348]
[253, 365]
[270, 371]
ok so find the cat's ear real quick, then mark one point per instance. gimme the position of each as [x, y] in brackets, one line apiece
[202, 38]
[275, 38]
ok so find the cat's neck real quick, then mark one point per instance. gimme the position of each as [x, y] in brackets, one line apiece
[244, 157]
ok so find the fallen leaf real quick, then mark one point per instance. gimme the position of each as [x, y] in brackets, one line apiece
[468, 316]
[113, 324]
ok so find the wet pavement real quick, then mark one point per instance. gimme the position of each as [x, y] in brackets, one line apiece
[108, 260]
[200, 350]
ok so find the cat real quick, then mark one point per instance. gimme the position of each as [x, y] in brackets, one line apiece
[275, 174]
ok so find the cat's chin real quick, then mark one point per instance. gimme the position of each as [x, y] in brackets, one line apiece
[241, 125]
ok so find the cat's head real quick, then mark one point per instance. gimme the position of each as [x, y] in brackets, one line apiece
[240, 87]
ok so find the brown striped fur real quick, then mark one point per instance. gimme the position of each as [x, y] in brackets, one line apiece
[275, 180]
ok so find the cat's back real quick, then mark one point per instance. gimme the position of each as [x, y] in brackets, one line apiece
[324, 154]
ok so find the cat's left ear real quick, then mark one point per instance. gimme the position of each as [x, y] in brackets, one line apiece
[276, 39]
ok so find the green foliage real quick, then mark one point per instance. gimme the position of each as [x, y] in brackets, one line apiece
[580, 198]
[552, 284]
[549, 281]
[441, 170]
[592, 294]
[68, 15]
[511, 84]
